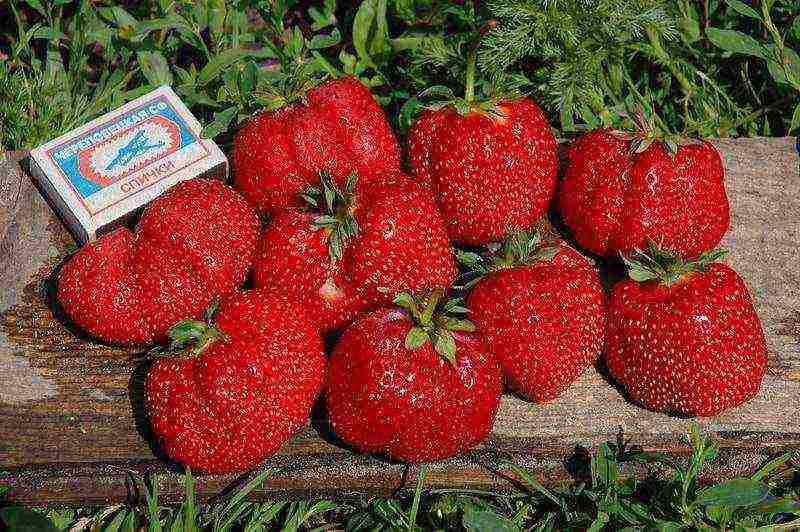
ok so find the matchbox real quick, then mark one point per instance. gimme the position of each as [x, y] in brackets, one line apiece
[96, 176]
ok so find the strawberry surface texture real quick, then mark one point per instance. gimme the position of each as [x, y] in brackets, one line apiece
[410, 404]
[191, 245]
[614, 199]
[490, 170]
[694, 348]
[545, 321]
[230, 406]
[339, 128]
[397, 243]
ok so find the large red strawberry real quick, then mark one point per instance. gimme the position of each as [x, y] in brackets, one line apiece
[684, 337]
[541, 311]
[228, 395]
[357, 250]
[620, 190]
[492, 168]
[338, 127]
[412, 384]
[193, 244]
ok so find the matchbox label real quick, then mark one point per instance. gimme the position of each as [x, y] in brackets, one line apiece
[135, 150]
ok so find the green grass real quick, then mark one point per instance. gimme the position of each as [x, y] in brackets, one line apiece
[604, 495]
[706, 67]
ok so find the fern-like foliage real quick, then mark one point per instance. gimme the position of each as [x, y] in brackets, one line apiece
[578, 48]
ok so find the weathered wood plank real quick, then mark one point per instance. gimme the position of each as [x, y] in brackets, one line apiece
[71, 424]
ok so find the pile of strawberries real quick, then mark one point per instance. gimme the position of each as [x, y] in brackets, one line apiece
[357, 251]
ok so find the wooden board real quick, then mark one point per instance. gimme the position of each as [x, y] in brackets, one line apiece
[72, 426]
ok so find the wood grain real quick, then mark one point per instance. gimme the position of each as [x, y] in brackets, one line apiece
[72, 427]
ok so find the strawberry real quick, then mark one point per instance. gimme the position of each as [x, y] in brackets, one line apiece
[541, 310]
[230, 394]
[491, 168]
[361, 248]
[338, 127]
[683, 336]
[620, 190]
[191, 245]
[413, 383]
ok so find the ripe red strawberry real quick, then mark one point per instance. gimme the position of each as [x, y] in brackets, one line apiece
[490, 169]
[412, 385]
[684, 337]
[244, 387]
[619, 191]
[541, 311]
[338, 128]
[191, 245]
[361, 249]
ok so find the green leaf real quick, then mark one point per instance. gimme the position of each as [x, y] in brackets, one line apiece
[362, 24]
[37, 5]
[599, 522]
[415, 338]
[771, 466]
[324, 18]
[51, 34]
[469, 258]
[123, 18]
[605, 469]
[155, 68]
[223, 60]
[776, 506]
[222, 120]
[734, 493]
[744, 9]
[795, 119]
[736, 42]
[779, 73]
[486, 521]
[445, 345]
[380, 45]
[321, 41]
[404, 300]
[455, 324]
[23, 520]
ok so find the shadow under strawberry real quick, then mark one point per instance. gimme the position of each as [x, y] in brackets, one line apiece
[50, 294]
[136, 396]
[604, 372]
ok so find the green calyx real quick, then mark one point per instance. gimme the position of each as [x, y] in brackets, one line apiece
[435, 319]
[191, 338]
[666, 267]
[520, 248]
[336, 208]
[647, 133]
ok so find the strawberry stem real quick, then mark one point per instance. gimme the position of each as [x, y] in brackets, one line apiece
[191, 337]
[469, 91]
[434, 320]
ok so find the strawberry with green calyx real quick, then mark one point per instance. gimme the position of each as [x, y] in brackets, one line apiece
[226, 395]
[355, 248]
[622, 189]
[412, 382]
[540, 309]
[683, 336]
[490, 163]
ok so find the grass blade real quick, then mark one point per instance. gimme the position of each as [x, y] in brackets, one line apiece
[412, 514]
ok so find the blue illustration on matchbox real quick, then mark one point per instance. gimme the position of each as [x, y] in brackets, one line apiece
[130, 153]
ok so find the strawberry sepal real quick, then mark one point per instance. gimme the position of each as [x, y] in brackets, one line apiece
[665, 266]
